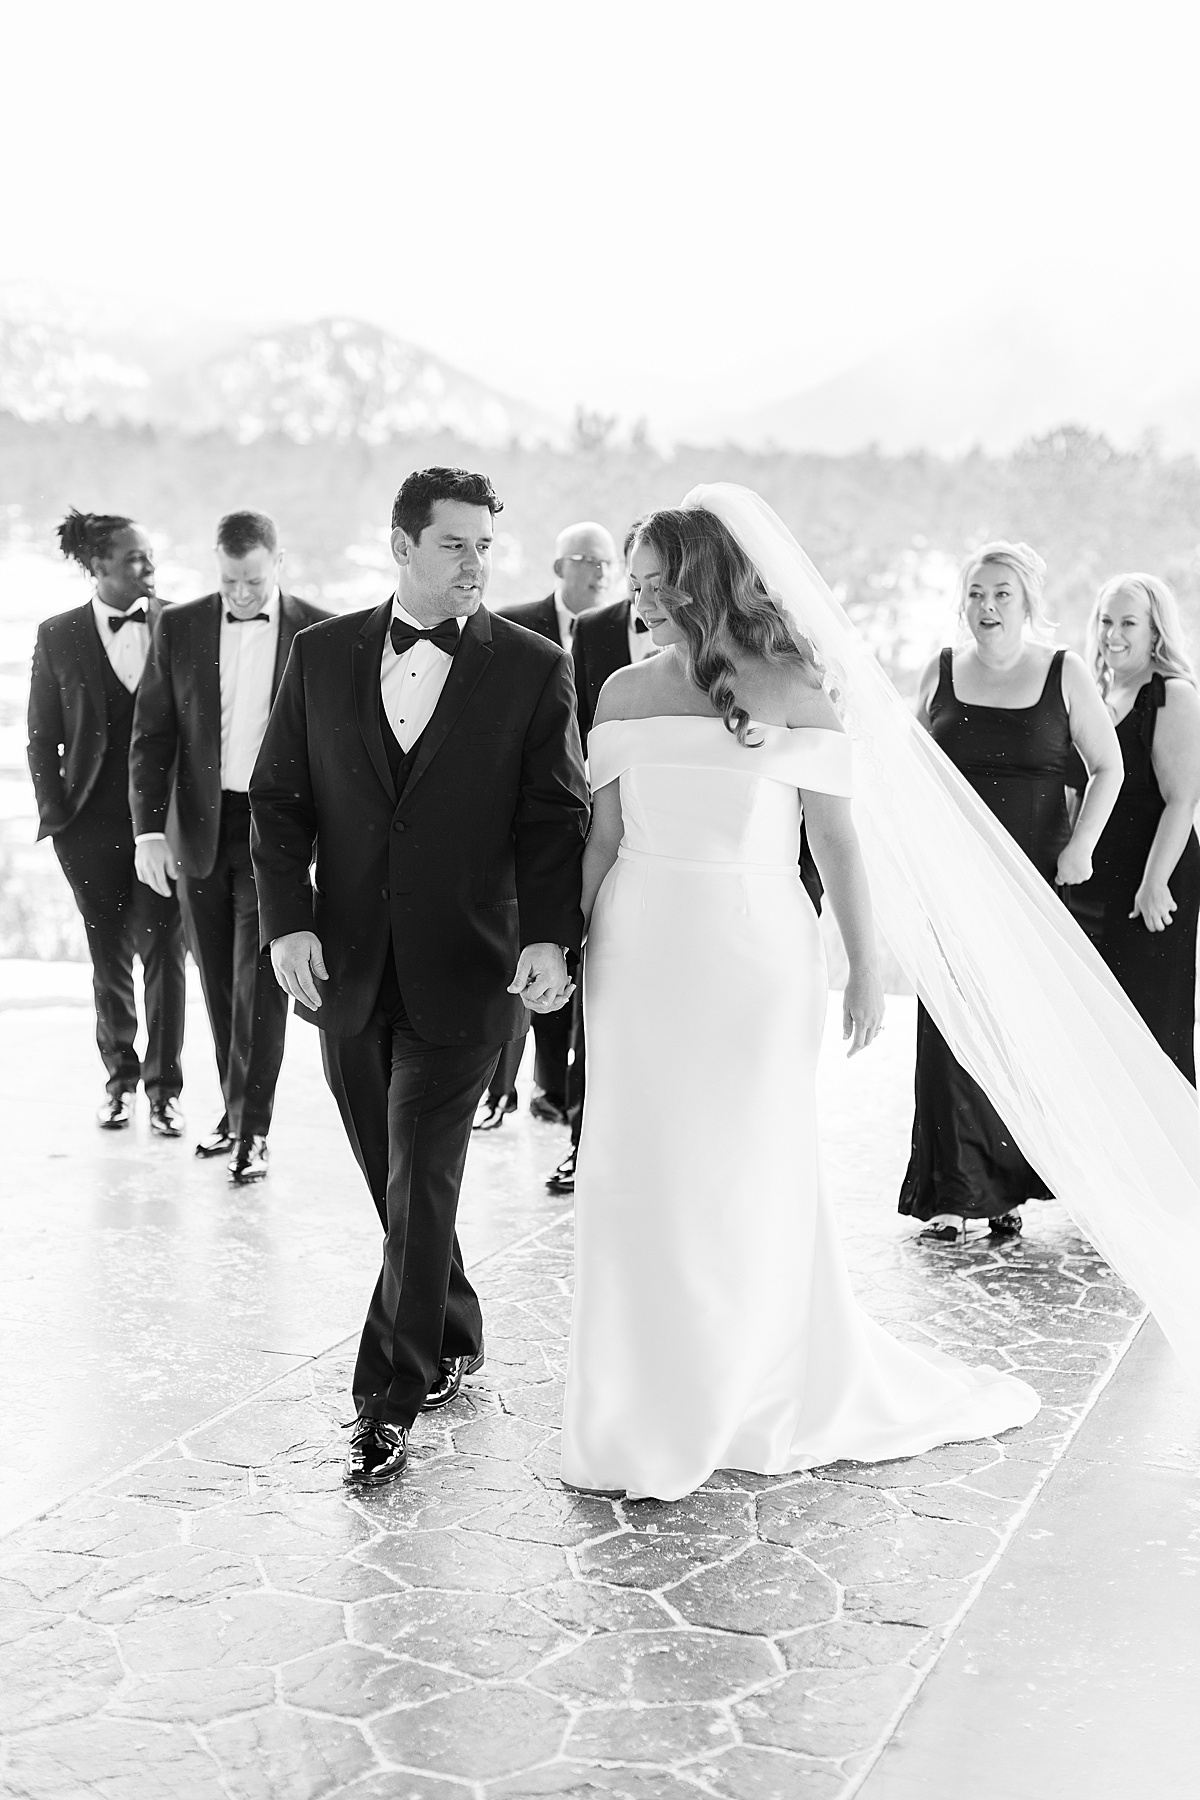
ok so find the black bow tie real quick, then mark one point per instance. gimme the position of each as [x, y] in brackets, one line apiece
[137, 616]
[639, 624]
[240, 618]
[443, 636]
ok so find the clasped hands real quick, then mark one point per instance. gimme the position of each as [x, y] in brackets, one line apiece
[541, 980]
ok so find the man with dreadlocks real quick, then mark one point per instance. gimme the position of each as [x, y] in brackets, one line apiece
[86, 668]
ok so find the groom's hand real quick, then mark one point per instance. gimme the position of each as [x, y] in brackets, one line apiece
[541, 980]
[298, 964]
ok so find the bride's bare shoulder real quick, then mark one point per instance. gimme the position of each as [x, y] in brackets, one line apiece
[629, 693]
[801, 700]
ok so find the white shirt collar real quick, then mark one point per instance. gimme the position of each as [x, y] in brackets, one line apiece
[566, 619]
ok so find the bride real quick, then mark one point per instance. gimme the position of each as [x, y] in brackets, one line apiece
[714, 1325]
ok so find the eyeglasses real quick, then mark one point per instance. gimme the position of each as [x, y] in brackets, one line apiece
[592, 562]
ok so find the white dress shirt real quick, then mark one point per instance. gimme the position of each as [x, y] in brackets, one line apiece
[125, 649]
[412, 684]
[247, 670]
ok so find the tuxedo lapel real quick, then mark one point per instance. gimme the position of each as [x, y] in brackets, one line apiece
[90, 650]
[364, 675]
[204, 658]
[472, 657]
[290, 622]
[618, 645]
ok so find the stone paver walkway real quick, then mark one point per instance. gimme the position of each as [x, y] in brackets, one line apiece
[226, 1621]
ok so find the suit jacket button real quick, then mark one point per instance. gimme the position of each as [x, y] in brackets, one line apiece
[384, 892]
[399, 824]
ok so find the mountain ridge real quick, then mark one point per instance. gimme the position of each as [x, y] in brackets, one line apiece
[334, 377]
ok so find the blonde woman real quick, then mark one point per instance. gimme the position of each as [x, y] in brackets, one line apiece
[1142, 903]
[1009, 710]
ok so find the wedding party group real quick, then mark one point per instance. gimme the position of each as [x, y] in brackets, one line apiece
[613, 816]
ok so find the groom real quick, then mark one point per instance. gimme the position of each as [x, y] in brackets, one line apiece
[428, 754]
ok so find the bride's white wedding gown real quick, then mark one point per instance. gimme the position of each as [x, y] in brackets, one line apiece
[714, 1325]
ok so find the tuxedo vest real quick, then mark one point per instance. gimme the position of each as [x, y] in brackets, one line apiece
[400, 762]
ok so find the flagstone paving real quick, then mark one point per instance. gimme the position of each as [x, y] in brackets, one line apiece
[227, 1620]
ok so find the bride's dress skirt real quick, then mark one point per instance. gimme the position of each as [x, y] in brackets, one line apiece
[714, 1324]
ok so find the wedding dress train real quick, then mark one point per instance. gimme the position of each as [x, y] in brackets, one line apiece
[714, 1325]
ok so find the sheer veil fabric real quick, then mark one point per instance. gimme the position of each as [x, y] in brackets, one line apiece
[1013, 984]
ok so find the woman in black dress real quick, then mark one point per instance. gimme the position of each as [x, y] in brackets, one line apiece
[1142, 903]
[1008, 711]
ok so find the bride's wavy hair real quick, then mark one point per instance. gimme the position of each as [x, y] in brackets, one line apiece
[711, 590]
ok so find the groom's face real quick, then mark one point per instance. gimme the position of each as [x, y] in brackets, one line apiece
[444, 573]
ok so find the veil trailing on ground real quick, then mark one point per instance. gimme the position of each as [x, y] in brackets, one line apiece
[1013, 984]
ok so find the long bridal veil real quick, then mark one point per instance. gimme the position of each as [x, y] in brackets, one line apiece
[1014, 986]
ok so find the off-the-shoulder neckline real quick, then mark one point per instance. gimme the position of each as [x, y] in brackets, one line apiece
[714, 719]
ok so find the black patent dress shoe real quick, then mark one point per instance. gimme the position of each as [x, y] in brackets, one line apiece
[117, 1111]
[1009, 1224]
[166, 1118]
[219, 1141]
[492, 1111]
[548, 1108]
[449, 1380]
[562, 1181]
[249, 1160]
[943, 1231]
[378, 1453]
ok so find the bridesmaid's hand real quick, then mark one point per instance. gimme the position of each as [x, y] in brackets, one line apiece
[862, 1008]
[1153, 904]
[1074, 866]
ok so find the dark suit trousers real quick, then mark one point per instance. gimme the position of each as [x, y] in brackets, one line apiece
[407, 1106]
[247, 1009]
[551, 1040]
[148, 926]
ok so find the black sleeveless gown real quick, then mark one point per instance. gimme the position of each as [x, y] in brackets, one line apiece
[1157, 969]
[964, 1160]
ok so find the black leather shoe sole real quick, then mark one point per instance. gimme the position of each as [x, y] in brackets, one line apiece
[437, 1398]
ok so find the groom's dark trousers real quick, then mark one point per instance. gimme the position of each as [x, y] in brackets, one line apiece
[431, 871]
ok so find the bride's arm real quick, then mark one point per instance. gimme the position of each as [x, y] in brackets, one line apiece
[835, 846]
[600, 851]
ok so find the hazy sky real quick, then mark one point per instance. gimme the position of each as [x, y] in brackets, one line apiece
[632, 204]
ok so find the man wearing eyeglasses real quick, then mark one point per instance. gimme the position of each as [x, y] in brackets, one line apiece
[585, 560]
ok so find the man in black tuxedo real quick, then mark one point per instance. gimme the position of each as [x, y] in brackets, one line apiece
[86, 668]
[213, 670]
[584, 561]
[428, 752]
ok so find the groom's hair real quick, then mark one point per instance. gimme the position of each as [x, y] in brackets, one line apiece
[412, 509]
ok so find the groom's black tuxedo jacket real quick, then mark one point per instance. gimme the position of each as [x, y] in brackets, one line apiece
[478, 854]
[175, 755]
[68, 714]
